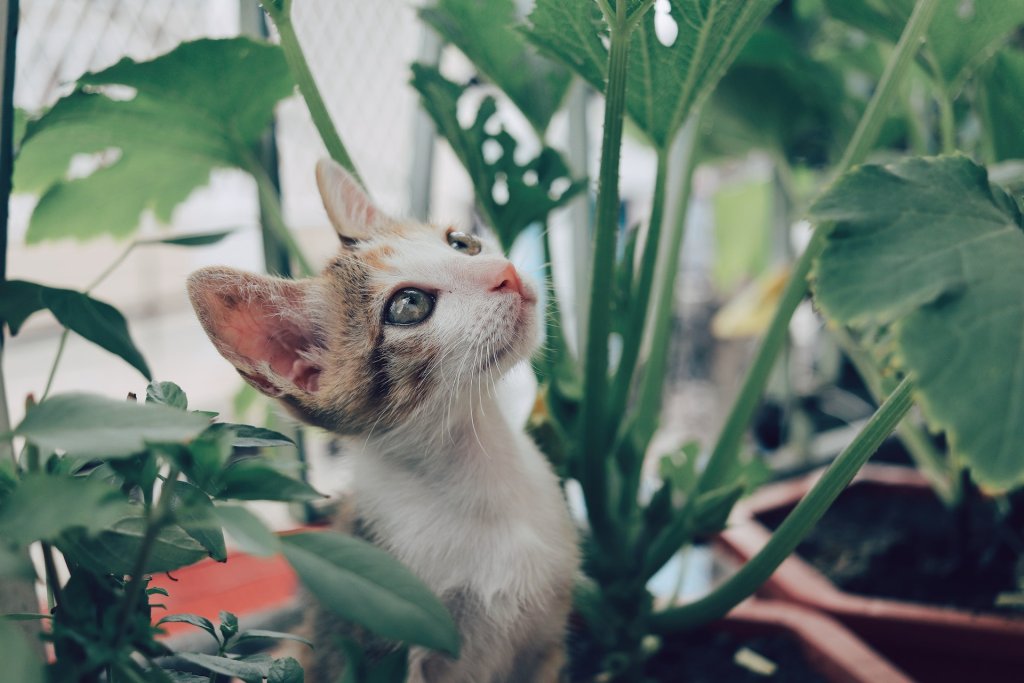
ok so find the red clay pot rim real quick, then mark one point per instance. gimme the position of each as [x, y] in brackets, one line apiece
[831, 649]
[797, 581]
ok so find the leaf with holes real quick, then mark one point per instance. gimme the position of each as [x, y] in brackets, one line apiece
[202, 106]
[932, 249]
[485, 32]
[511, 195]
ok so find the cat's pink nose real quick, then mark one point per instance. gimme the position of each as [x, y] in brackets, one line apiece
[507, 280]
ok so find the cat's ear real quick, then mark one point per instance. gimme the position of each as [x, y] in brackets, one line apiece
[263, 326]
[351, 211]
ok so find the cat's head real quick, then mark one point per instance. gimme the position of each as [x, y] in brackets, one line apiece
[406, 317]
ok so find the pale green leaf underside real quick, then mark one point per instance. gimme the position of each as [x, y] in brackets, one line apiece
[930, 247]
[199, 107]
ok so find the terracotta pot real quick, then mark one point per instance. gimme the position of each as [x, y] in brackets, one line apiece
[831, 649]
[934, 644]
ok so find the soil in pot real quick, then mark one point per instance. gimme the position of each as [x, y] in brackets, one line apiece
[911, 547]
[707, 656]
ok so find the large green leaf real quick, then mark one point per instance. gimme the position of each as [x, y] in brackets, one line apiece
[932, 249]
[201, 106]
[246, 529]
[665, 82]
[95, 320]
[45, 505]
[93, 426]
[364, 584]
[961, 36]
[512, 195]
[484, 30]
[1001, 101]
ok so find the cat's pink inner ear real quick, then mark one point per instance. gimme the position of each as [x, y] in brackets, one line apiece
[350, 210]
[261, 325]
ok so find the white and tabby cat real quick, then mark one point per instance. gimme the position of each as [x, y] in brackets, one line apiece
[399, 342]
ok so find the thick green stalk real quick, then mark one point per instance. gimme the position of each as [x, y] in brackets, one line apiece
[307, 86]
[796, 525]
[727, 448]
[594, 415]
[942, 477]
[648, 407]
[640, 294]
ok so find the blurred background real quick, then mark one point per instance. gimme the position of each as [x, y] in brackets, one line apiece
[735, 251]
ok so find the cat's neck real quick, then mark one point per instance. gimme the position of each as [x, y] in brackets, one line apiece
[467, 442]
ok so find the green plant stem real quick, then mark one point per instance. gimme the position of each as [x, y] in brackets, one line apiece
[947, 121]
[274, 217]
[727, 447]
[155, 520]
[593, 422]
[796, 525]
[54, 596]
[66, 332]
[927, 459]
[648, 407]
[307, 86]
[639, 297]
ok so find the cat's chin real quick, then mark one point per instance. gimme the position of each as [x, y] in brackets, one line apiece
[523, 333]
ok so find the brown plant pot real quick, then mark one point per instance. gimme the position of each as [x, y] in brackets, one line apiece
[830, 648]
[934, 644]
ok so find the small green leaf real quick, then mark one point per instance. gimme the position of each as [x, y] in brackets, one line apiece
[366, 585]
[260, 634]
[228, 625]
[194, 512]
[99, 322]
[43, 506]
[247, 436]
[113, 551]
[168, 394]
[199, 239]
[251, 535]
[93, 426]
[193, 619]
[248, 671]
[286, 670]
[253, 479]
[931, 249]
[19, 660]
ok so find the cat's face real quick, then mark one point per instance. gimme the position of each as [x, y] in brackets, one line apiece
[404, 321]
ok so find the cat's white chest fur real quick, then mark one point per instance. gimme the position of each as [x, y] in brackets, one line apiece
[477, 509]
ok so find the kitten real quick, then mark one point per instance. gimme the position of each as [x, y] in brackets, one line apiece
[399, 342]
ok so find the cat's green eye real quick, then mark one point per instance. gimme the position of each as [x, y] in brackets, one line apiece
[464, 242]
[409, 306]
